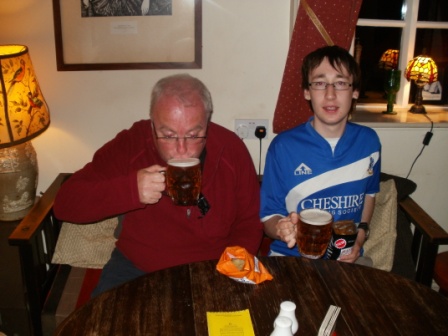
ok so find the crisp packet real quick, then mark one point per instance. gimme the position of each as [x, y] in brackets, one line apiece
[240, 265]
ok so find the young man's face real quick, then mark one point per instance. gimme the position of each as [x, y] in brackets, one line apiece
[330, 106]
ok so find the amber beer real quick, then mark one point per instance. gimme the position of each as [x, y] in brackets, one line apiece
[314, 232]
[183, 180]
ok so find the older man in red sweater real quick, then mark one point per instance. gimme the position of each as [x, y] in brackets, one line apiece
[124, 178]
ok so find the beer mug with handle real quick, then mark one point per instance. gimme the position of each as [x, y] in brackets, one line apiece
[183, 180]
[314, 232]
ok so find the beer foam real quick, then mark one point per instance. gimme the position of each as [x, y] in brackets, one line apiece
[189, 162]
[315, 216]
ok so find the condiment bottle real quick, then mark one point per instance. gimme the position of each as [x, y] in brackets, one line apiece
[282, 326]
[288, 309]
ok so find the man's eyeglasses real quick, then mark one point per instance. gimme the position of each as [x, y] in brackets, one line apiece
[194, 139]
[168, 139]
[338, 86]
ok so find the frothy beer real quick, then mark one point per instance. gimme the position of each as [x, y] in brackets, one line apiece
[314, 232]
[183, 180]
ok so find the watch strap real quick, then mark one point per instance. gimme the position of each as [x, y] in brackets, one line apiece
[364, 226]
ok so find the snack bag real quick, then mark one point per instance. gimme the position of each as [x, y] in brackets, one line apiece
[240, 265]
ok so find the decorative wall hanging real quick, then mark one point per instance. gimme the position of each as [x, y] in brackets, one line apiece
[136, 34]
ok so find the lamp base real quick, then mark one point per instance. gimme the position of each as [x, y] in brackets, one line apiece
[18, 181]
[418, 106]
[418, 109]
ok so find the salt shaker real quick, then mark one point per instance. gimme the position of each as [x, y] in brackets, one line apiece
[288, 309]
[282, 326]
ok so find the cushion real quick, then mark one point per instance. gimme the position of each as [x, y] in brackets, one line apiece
[404, 265]
[85, 245]
[380, 246]
[404, 186]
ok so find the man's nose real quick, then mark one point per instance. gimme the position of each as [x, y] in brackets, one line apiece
[330, 91]
[181, 144]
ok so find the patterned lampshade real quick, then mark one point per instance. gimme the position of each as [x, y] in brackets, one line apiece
[389, 59]
[23, 111]
[23, 116]
[421, 69]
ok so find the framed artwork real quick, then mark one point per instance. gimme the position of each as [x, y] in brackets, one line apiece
[432, 91]
[436, 93]
[128, 34]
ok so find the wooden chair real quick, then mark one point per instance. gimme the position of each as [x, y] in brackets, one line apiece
[38, 232]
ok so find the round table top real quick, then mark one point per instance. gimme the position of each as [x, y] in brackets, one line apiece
[175, 301]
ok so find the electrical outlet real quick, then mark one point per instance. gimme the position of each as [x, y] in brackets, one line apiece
[245, 128]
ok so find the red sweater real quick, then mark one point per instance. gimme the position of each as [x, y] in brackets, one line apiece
[161, 235]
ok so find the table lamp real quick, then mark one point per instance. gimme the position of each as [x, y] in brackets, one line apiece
[23, 116]
[389, 62]
[389, 59]
[422, 70]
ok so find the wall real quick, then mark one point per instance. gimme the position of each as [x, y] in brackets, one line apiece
[245, 45]
[244, 50]
[401, 147]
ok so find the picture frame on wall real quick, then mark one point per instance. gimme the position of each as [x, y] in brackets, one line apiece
[93, 35]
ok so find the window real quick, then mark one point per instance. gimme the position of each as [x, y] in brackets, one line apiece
[413, 27]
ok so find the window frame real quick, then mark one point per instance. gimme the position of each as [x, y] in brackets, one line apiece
[409, 27]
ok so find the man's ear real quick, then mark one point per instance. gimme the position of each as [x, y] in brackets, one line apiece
[355, 94]
[306, 94]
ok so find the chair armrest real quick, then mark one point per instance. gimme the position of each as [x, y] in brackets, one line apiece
[36, 237]
[428, 235]
[423, 222]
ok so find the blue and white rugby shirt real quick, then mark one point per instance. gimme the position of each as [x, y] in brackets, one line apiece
[303, 172]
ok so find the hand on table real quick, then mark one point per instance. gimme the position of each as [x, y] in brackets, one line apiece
[356, 251]
[352, 257]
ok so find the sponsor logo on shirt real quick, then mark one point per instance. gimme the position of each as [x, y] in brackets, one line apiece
[334, 202]
[303, 169]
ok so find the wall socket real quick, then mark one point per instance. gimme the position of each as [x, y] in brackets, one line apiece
[245, 128]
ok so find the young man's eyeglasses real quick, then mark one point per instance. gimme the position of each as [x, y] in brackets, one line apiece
[338, 86]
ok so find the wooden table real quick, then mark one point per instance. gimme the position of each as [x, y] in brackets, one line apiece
[175, 301]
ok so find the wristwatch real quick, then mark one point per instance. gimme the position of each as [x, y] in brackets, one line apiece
[364, 226]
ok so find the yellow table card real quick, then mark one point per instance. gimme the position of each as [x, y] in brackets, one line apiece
[237, 323]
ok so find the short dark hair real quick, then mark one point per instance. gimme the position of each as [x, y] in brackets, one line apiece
[338, 57]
